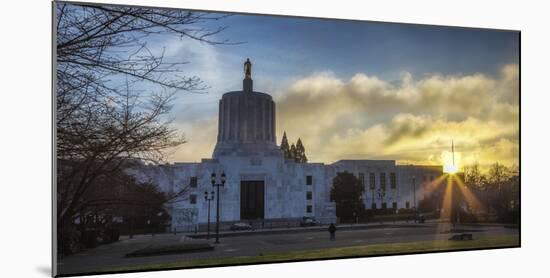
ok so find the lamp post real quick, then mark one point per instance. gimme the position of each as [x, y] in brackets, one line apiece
[208, 198]
[381, 195]
[414, 192]
[217, 185]
[372, 193]
[414, 197]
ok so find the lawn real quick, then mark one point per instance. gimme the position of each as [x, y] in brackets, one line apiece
[341, 252]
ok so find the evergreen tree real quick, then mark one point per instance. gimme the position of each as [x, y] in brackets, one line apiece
[347, 193]
[300, 152]
[284, 146]
[292, 152]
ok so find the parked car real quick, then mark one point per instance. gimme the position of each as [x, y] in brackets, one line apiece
[240, 226]
[309, 221]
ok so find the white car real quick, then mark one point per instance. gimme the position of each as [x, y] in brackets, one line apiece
[240, 226]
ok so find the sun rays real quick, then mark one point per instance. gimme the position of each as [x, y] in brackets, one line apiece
[446, 205]
[435, 184]
[469, 197]
[456, 197]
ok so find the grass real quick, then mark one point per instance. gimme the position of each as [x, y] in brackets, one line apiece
[341, 252]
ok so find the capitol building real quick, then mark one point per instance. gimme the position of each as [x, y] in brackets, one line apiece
[261, 185]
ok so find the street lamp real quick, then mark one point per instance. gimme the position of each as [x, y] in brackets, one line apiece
[414, 192]
[208, 198]
[414, 197]
[217, 185]
[381, 195]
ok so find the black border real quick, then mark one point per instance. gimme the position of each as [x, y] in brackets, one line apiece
[53, 134]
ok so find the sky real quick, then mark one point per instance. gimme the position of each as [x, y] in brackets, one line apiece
[359, 90]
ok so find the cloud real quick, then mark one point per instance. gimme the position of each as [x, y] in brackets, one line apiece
[413, 121]
[201, 136]
[365, 117]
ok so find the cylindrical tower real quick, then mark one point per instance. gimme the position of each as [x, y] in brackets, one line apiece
[246, 120]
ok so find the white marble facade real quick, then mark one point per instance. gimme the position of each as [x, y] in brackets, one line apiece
[246, 151]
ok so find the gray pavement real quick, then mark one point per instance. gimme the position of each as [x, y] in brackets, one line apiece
[252, 244]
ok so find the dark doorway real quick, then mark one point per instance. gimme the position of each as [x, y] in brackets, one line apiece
[252, 200]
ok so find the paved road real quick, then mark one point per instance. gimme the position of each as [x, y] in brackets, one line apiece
[112, 255]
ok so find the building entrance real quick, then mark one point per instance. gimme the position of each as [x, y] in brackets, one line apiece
[252, 200]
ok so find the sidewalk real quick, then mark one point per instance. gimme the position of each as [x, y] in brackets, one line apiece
[266, 231]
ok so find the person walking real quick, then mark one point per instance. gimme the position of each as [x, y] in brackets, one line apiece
[332, 231]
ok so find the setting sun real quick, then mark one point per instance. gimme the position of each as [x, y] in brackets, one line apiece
[451, 165]
[450, 169]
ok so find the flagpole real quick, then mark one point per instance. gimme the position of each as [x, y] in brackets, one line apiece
[453, 150]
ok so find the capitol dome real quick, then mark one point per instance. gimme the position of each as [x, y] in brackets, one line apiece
[246, 120]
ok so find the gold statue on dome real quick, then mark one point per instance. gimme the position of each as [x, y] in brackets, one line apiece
[247, 69]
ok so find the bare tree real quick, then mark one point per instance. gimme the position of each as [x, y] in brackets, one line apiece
[473, 176]
[102, 123]
[498, 174]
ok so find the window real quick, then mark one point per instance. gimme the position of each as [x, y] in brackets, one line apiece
[309, 180]
[373, 206]
[394, 205]
[407, 205]
[431, 178]
[372, 181]
[425, 178]
[362, 179]
[193, 182]
[383, 181]
[309, 195]
[193, 198]
[393, 181]
[384, 205]
[309, 209]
